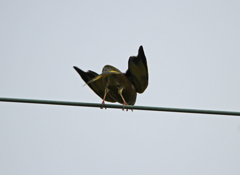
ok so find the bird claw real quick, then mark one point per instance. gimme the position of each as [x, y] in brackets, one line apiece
[124, 104]
[124, 107]
[127, 110]
[103, 103]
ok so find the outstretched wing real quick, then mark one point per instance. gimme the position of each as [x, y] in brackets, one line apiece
[96, 86]
[137, 71]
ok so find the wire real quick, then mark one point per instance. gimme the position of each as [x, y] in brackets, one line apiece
[148, 108]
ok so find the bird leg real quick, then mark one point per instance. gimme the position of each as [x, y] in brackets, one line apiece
[120, 93]
[105, 94]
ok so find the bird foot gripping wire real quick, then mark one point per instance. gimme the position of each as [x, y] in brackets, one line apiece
[103, 103]
[124, 104]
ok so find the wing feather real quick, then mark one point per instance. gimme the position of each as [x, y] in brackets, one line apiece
[96, 86]
[137, 71]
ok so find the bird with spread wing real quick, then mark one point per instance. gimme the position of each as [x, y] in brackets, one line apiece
[114, 86]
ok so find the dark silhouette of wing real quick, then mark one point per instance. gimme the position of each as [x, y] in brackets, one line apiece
[137, 71]
[96, 86]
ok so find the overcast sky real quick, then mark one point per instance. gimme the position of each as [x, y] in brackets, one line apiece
[193, 55]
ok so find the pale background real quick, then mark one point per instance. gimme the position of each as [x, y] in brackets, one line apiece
[193, 55]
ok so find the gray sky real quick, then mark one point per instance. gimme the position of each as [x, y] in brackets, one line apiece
[193, 56]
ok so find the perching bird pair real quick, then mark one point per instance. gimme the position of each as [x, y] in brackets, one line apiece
[114, 86]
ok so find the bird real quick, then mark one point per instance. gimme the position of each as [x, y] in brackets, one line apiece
[114, 86]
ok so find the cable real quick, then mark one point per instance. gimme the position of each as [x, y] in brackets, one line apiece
[149, 108]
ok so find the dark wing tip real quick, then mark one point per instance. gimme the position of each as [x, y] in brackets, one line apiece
[76, 68]
[141, 55]
[79, 71]
[140, 51]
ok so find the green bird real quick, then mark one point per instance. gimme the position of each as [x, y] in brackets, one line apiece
[114, 86]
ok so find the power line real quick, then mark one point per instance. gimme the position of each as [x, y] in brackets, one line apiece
[148, 108]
